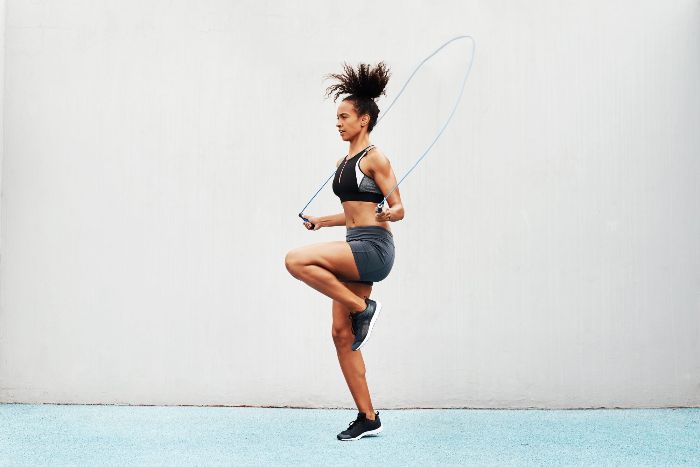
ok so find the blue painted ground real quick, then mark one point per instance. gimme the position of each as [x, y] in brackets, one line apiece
[133, 435]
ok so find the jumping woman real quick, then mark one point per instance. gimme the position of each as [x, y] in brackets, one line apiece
[346, 270]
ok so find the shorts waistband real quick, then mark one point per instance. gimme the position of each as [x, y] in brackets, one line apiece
[368, 228]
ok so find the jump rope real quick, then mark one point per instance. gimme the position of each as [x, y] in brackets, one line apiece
[461, 90]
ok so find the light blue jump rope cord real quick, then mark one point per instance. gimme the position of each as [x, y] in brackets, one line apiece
[461, 91]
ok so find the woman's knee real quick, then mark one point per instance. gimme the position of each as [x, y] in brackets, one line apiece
[342, 335]
[293, 261]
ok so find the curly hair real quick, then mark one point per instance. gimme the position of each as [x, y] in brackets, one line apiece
[363, 86]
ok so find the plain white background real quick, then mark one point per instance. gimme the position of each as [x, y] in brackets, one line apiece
[156, 155]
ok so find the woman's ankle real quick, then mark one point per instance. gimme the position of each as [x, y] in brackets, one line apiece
[364, 307]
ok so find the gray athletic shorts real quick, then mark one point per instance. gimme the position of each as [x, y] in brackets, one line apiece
[373, 249]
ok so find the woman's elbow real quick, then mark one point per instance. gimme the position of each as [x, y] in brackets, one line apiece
[400, 213]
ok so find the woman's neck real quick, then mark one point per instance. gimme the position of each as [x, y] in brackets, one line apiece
[358, 145]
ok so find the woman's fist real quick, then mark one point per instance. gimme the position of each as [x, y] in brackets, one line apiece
[384, 215]
[312, 220]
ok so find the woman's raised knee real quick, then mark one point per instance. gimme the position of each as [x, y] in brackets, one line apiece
[293, 262]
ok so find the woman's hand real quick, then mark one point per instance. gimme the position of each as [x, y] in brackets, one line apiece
[385, 214]
[312, 220]
[392, 213]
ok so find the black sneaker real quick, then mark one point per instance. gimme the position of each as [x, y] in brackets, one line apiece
[363, 322]
[361, 427]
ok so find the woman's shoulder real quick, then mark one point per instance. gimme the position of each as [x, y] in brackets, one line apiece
[376, 156]
[375, 153]
[375, 160]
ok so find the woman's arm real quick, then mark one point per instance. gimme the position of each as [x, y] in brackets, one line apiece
[332, 220]
[383, 175]
[324, 221]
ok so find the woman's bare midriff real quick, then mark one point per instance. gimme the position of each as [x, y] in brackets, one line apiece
[362, 213]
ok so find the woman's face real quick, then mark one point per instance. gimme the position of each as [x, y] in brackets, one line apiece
[349, 124]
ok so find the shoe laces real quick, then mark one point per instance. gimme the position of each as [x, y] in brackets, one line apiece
[357, 420]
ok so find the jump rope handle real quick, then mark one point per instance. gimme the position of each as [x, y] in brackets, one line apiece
[379, 208]
[306, 220]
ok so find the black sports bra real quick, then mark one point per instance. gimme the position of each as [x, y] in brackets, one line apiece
[352, 184]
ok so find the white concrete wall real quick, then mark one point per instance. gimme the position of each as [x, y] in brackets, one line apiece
[156, 155]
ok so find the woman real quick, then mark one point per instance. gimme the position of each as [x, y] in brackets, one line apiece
[346, 270]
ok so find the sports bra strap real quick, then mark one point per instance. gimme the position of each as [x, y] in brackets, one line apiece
[361, 153]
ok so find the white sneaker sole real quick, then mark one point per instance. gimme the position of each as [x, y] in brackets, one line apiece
[371, 325]
[366, 433]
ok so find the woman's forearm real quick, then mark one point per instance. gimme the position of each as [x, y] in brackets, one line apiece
[332, 220]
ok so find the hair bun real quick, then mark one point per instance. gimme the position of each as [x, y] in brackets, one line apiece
[365, 82]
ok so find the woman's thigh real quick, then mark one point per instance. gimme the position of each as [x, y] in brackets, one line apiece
[335, 256]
